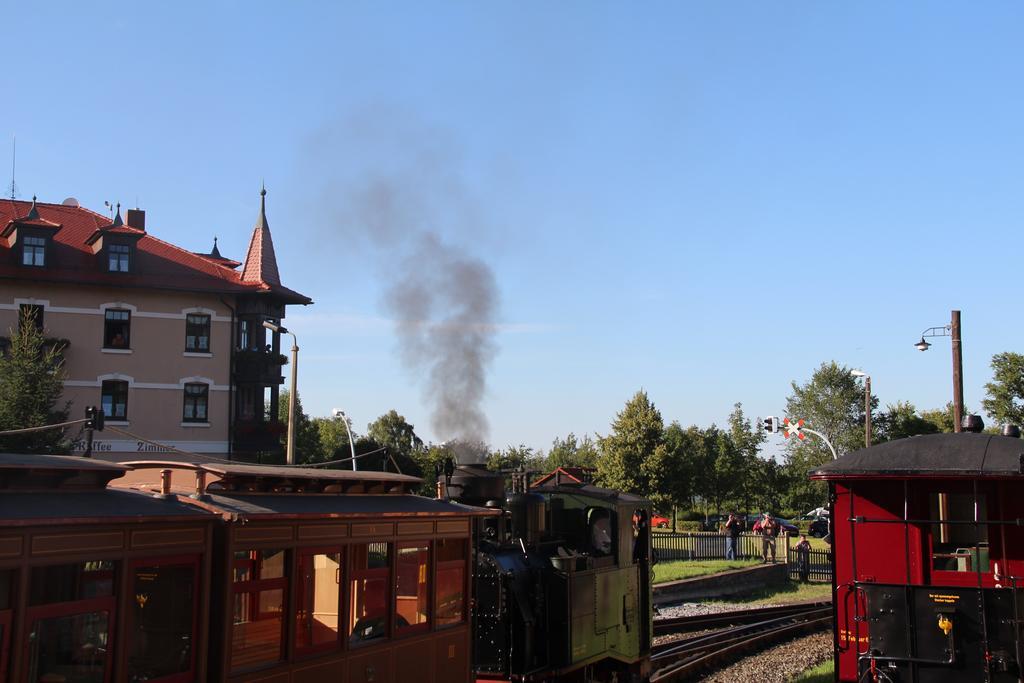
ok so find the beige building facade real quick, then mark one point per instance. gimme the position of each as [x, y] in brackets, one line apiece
[168, 343]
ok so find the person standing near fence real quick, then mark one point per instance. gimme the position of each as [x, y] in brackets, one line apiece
[733, 528]
[768, 529]
[803, 559]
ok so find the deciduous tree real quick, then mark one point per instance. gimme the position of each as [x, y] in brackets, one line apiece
[1004, 402]
[900, 420]
[831, 402]
[572, 452]
[307, 435]
[636, 433]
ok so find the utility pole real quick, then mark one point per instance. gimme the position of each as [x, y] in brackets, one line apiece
[958, 372]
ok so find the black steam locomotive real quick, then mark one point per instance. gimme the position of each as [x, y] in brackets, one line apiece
[562, 579]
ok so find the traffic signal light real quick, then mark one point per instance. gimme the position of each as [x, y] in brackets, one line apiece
[95, 417]
[771, 425]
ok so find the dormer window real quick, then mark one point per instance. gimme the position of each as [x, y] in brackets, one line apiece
[33, 251]
[119, 258]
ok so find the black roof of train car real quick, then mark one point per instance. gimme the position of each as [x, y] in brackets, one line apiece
[242, 506]
[60, 489]
[943, 455]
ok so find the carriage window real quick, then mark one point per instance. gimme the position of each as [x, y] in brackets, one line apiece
[317, 603]
[449, 607]
[956, 546]
[69, 648]
[69, 621]
[371, 569]
[258, 609]
[160, 636]
[411, 593]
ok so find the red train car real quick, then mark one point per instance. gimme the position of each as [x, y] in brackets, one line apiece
[928, 553]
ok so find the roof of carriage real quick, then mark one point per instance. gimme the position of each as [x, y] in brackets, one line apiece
[964, 455]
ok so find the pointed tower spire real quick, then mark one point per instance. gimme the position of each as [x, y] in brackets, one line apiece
[33, 212]
[117, 218]
[260, 261]
[216, 252]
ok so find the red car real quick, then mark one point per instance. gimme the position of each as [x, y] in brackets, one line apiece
[660, 521]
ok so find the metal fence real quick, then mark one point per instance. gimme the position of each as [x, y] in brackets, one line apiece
[819, 564]
[705, 545]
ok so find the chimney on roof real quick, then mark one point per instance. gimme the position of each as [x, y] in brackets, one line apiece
[137, 219]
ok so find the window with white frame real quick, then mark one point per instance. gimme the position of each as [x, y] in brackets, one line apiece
[197, 399]
[197, 333]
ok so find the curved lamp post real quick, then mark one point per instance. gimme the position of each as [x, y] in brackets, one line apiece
[951, 330]
[279, 329]
[340, 414]
[867, 405]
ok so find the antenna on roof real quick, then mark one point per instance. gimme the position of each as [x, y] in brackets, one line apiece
[14, 158]
[109, 206]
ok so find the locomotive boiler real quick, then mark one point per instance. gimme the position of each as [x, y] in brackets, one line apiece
[562, 579]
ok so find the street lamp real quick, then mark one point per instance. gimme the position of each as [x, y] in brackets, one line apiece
[867, 405]
[951, 330]
[338, 413]
[279, 329]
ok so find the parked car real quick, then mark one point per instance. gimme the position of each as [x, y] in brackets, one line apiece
[819, 528]
[713, 522]
[660, 521]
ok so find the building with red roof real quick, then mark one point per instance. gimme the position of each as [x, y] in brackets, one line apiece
[168, 342]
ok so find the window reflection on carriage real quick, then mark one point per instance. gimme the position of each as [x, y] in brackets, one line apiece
[371, 569]
[317, 602]
[70, 608]
[412, 594]
[451, 581]
[162, 618]
[258, 608]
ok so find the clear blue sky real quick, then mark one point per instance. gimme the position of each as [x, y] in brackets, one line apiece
[704, 199]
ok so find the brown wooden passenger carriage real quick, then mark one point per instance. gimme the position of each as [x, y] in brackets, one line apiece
[95, 581]
[261, 574]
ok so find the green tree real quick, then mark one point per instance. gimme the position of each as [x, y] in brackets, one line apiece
[747, 439]
[900, 420]
[31, 382]
[831, 403]
[521, 457]
[333, 439]
[1005, 400]
[307, 434]
[944, 419]
[398, 437]
[636, 433]
[671, 471]
[572, 452]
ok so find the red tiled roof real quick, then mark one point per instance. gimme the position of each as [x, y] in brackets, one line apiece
[571, 475]
[260, 261]
[157, 264]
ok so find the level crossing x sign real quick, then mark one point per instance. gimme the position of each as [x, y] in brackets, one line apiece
[793, 428]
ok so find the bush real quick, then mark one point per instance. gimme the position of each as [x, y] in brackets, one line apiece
[688, 526]
[690, 516]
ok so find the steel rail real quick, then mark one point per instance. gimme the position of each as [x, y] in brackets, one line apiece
[680, 660]
[731, 618]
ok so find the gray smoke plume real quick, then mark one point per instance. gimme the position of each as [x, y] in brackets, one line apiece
[443, 299]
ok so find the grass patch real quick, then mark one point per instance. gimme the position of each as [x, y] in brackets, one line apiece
[823, 673]
[688, 569]
[790, 591]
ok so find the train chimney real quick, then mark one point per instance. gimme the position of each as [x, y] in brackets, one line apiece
[476, 485]
[973, 423]
[1012, 431]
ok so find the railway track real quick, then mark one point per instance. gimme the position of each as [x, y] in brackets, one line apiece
[745, 631]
